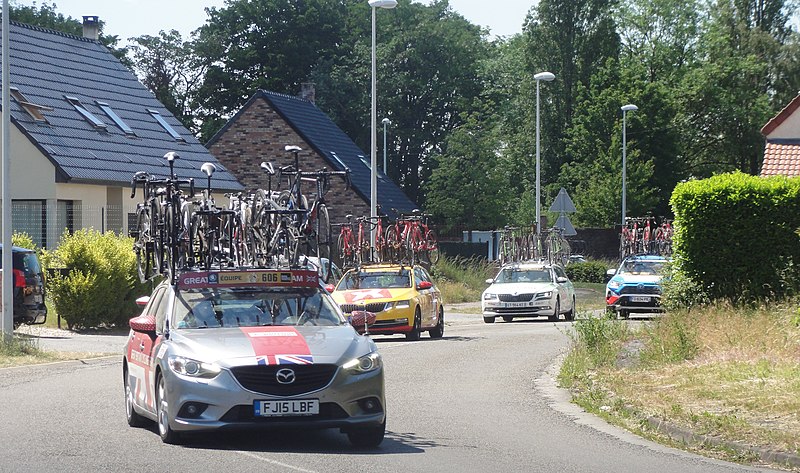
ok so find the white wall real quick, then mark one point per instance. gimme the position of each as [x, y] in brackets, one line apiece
[789, 129]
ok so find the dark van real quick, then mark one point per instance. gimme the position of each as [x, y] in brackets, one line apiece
[28, 282]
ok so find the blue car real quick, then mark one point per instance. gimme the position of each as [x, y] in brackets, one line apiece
[635, 287]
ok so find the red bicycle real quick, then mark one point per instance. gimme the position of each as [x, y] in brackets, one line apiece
[413, 240]
[353, 242]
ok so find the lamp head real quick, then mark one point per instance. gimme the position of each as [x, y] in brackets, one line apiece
[548, 76]
[383, 3]
[292, 148]
[629, 108]
[208, 169]
[386, 121]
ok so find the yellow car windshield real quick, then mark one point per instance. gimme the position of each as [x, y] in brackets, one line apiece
[375, 279]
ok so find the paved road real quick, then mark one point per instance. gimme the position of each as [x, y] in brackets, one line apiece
[479, 400]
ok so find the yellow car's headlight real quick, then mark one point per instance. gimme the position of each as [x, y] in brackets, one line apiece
[402, 304]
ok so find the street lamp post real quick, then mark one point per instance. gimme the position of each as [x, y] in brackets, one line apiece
[625, 108]
[547, 76]
[386, 122]
[373, 194]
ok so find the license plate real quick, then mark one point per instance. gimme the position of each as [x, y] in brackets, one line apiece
[640, 298]
[295, 407]
[518, 304]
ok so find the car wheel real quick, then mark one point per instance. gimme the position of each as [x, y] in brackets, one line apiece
[413, 335]
[367, 437]
[508, 318]
[488, 320]
[438, 331]
[164, 430]
[556, 311]
[134, 419]
[570, 314]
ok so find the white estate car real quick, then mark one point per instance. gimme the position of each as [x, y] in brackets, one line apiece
[529, 290]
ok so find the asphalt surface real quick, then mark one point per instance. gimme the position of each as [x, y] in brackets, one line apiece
[481, 399]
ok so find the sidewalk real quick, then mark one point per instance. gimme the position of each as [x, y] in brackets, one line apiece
[54, 339]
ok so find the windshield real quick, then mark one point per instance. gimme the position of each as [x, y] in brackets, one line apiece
[509, 275]
[250, 307]
[651, 268]
[376, 279]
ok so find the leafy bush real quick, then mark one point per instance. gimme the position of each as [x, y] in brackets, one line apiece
[590, 271]
[679, 291]
[736, 236]
[462, 279]
[101, 286]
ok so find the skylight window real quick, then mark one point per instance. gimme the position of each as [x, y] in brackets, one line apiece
[115, 118]
[166, 125]
[34, 110]
[96, 122]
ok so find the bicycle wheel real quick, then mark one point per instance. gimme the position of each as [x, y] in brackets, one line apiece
[323, 235]
[343, 250]
[143, 250]
[392, 244]
[168, 257]
[431, 247]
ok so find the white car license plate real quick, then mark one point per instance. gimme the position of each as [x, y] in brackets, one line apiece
[295, 407]
[517, 304]
[640, 298]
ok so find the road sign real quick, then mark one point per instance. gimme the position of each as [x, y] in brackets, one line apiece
[565, 225]
[562, 204]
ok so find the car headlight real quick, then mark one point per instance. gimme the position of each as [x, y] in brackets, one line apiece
[364, 364]
[544, 295]
[614, 284]
[402, 304]
[194, 368]
[488, 296]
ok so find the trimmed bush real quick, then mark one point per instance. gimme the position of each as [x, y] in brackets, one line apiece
[590, 271]
[736, 236]
[101, 286]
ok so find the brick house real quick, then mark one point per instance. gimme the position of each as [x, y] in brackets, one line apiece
[782, 149]
[269, 121]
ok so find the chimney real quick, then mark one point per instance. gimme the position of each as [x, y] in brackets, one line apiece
[308, 92]
[91, 27]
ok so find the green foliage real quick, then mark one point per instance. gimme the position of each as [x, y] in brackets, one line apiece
[23, 240]
[590, 271]
[735, 235]
[680, 291]
[101, 287]
[15, 346]
[461, 279]
[600, 338]
[671, 339]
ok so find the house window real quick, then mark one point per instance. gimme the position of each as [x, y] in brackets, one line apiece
[34, 110]
[166, 125]
[89, 116]
[30, 216]
[115, 118]
[65, 217]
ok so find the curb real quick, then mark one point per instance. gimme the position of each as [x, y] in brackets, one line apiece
[689, 437]
[674, 432]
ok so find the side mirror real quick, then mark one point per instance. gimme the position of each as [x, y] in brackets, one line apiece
[143, 323]
[610, 274]
[489, 281]
[424, 285]
[142, 301]
[561, 279]
[330, 288]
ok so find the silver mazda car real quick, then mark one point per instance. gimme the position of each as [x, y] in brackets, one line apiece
[251, 349]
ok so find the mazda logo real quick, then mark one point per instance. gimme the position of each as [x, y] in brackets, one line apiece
[285, 376]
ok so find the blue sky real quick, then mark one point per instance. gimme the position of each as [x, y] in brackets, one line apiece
[127, 18]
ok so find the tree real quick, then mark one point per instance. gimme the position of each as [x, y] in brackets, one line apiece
[168, 67]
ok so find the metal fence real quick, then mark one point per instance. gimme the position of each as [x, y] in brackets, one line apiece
[45, 221]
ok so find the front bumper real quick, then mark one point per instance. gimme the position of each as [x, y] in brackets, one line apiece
[640, 303]
[227, 405]
[535, 308]
[395, 320]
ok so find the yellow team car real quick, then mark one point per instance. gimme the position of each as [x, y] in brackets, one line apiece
[403, 299]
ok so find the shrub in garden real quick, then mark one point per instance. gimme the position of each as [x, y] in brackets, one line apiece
[736, 235]
[101, 286]
[590, 271]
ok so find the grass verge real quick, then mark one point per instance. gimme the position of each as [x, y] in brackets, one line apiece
[462, 280]
[729, 373]
[19, 351]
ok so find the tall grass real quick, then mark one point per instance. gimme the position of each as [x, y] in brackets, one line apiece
[461, 279]
[13, 346]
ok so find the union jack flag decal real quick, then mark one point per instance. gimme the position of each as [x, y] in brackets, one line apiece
[285, 360]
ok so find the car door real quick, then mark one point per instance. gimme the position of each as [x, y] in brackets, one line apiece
[436, 298]
[425, 297]
[564, 289]
[140, 356]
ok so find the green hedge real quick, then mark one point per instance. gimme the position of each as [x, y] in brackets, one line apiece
[736, 235]
[590, 271]
[101, 287]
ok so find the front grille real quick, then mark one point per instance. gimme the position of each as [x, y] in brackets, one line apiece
[515, 297]
[371, 307]
[645, 289]
[246, 413]
[261, 378]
